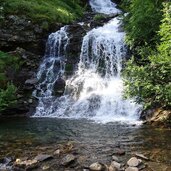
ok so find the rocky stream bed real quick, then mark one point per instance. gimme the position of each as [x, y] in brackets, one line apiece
[82, 145]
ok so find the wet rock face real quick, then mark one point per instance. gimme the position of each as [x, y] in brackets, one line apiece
[21, 32]
[16, 31]
[76, 33]
[157, 117]
[59, 87]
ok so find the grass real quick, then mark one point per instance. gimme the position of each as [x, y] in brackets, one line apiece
[99, 17]
[51, 11]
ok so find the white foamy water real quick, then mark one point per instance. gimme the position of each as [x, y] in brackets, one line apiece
[95, 91]
[104, 6]
[51, 69]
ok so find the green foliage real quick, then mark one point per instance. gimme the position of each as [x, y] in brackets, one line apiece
[98, 17]
[142, 21]
[7, 89]
[7, 97]
[7, 59]
[42, 10]
[165, 32]
[151, 83]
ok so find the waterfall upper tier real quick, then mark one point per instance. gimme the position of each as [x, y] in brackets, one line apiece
[104, 6]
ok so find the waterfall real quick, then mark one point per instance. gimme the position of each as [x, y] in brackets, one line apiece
[51, 69]
[104, 6]
[95, 91]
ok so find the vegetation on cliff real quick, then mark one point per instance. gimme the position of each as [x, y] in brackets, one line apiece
[7, 89]
[147, 75]
[51, 11]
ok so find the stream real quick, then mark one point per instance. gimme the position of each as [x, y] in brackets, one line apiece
[23, 137]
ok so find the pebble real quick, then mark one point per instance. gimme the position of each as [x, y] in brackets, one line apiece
[112, 168]
[25, 163]
[132, 169]
[116, 165]
[46, 167]
[115, 158]
[96, 167]
[119, 152]
[133, 162]
[57, 152]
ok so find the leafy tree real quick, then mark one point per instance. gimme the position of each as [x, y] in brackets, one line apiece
[142, 21]
[151, 83]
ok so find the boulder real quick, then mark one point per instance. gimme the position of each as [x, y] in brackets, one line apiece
[59, 87]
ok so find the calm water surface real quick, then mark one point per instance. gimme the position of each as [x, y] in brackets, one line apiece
[22, 134]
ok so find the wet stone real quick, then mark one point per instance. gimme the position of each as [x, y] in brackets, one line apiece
[132, 169]
[86, 170]
[68, 159]
[114, 158]
[133, 162]
[45, 167]
[31, 81]
[141, 166]
[116, 165]
[43, 157]
[119, 152]
[28, 164]
[141, 156]
[96, 167]
[112, 168]
[57, 152]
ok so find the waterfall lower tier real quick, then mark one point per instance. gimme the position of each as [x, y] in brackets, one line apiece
[95, 91]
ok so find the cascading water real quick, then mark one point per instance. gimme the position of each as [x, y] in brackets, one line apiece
[51, 69]
[103, 6]
[95, 91]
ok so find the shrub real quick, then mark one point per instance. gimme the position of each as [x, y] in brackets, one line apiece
[151, 83]
[7, 89]
[7, 96]
[98, 17]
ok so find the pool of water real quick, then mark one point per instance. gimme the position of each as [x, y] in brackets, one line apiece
[18, 136]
